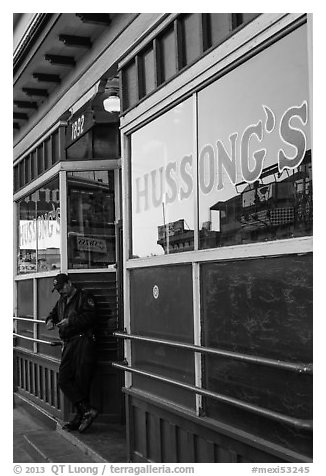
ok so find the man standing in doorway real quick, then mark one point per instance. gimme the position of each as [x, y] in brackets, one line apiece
[74, 314]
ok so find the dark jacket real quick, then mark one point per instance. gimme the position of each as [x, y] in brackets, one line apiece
[80, 311]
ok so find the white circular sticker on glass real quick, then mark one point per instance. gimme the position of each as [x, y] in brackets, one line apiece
[156, 291]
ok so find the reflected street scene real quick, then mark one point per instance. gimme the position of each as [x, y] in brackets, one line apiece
[248, 161]
[39, 230]
[91, 228]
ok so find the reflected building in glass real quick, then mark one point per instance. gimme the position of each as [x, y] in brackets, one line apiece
[39, 230]
[91, 220]
[278, 209]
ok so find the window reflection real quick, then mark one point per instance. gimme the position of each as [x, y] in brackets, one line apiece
[255, 179]
[278, 205]
[39, 230]
[254, 159]
[162, 185]
[91, 227]
[27, 235]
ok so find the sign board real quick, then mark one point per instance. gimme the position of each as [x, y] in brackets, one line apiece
[78, 126]
[41, 233]
[170, 229]
[94, 245]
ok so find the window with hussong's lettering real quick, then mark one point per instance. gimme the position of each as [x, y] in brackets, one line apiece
[255, 176]
[39, 230]
[162, 188]
[254, 159]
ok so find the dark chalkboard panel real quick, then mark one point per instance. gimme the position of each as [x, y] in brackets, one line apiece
[25, 298]
[161, 302]
[260, 307]
[162, 306]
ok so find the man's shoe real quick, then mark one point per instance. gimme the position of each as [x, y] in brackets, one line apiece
[88, 419]
[74, 423]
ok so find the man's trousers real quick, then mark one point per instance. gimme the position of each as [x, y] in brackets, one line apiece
[77, 368]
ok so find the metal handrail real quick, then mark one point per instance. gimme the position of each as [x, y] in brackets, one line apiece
[298, 423]
[53, 343]
[33, 339]
[301, 368]
[36, 321]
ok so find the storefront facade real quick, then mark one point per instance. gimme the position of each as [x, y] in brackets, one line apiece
[207, 300]
[67, 193]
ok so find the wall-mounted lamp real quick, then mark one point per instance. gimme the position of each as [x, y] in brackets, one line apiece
[112, 101]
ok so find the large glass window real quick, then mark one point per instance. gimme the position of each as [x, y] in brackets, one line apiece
[90, 219]
[254, 159]
[162, 185]
[255, 180]
[39, 230]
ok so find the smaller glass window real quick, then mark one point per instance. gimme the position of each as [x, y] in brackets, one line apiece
[33, 165]
[55, 153]
[48, 153]
[191, 38]
[39, 230]
[219, 25]
[130, 85]
[240, 18]
[27, 169]
[27, 235]
[40, 160]
[21, 173]
[148, 71]
[91, 219]
[16, 178]
[168, 59]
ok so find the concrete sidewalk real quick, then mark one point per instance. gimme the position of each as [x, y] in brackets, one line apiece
[38, 438]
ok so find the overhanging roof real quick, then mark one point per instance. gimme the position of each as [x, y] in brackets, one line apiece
[47, 55]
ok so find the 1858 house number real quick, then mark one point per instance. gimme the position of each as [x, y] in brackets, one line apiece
[77, 127]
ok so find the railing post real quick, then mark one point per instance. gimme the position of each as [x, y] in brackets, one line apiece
[66, 407]
[35, 328]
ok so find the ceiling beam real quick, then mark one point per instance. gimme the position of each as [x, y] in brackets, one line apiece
[95, 18]
[61, 60]
[20, 115]
[73, 40]
[47, 78]
[35, 92]
[126, 30]
[25, 104]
